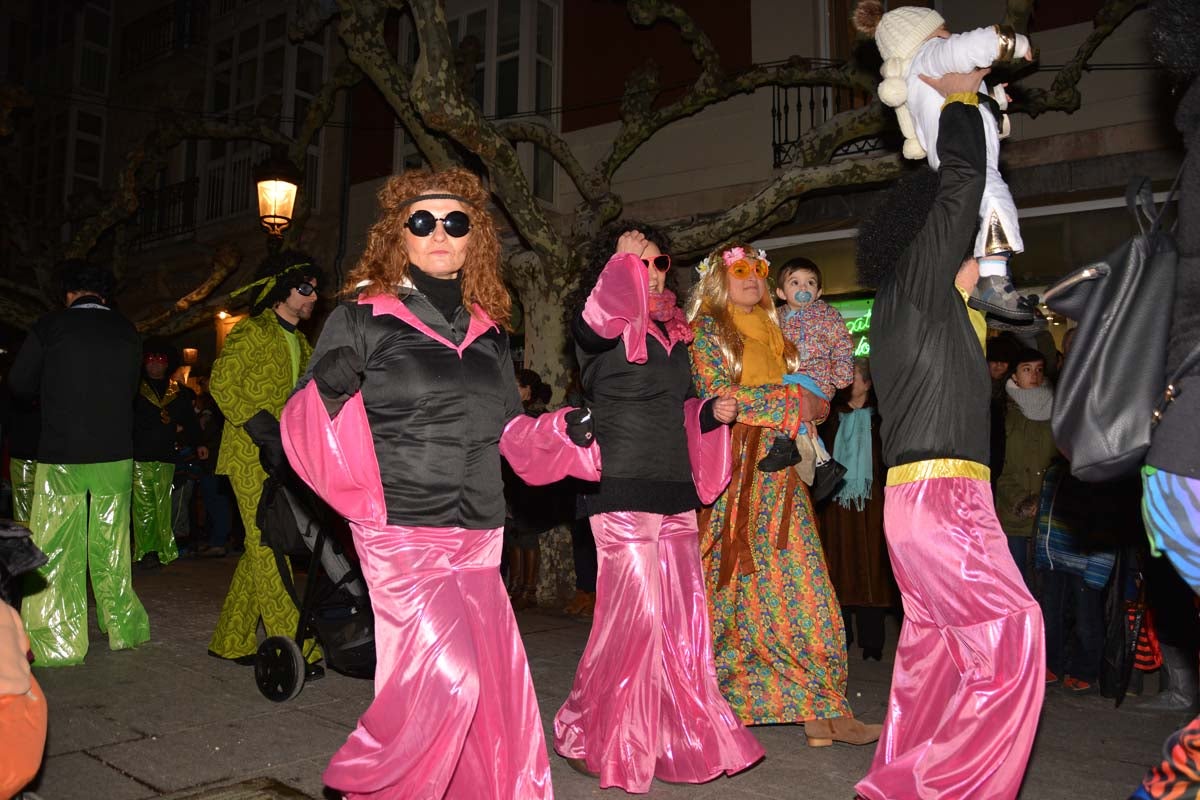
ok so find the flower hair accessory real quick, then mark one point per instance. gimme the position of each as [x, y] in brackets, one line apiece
[730, 257]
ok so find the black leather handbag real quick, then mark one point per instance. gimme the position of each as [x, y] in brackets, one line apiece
[827, 477]
[1112, 381]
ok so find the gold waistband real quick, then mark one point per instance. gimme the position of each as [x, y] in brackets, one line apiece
[938, 468]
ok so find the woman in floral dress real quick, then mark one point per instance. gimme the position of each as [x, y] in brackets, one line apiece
[776, 624]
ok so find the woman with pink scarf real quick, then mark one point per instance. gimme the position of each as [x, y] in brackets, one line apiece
[645, 703]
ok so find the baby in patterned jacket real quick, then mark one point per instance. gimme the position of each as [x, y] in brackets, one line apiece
[825, 346]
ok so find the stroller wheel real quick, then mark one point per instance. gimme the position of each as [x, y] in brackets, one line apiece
[279, 669]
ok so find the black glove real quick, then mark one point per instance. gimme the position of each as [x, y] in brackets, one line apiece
[264, 432]
[579, 426]
[339, 373]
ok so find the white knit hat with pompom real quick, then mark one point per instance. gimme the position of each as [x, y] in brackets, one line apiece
[899, 34]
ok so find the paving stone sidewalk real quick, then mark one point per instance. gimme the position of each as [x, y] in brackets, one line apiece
[167, 719]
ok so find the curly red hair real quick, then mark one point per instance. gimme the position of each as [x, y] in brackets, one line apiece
[384, 264]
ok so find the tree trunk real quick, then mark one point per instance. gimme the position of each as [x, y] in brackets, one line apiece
[543, 300]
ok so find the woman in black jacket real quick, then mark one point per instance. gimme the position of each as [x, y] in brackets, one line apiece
[645, 703]
[399, 426]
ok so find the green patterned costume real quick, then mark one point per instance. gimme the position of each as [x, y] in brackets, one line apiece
[254, 372]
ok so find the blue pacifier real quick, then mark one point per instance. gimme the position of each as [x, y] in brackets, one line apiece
[803, 297]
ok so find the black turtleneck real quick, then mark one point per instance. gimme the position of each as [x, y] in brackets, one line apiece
[283, 323]
[445, 294]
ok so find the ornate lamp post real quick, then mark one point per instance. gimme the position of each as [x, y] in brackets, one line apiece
[277, 180]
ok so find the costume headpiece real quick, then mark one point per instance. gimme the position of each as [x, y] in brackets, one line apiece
[728, 258]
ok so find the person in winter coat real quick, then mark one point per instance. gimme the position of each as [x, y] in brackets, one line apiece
[81, 363]
[1028, 450]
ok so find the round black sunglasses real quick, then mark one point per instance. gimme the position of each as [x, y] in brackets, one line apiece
[422, 223]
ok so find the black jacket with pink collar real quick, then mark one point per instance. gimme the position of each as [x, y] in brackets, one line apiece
[437, 395]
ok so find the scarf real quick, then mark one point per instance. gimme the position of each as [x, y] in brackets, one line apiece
[1036, 403]
[762, 352]
[852, 449]
[664, 310]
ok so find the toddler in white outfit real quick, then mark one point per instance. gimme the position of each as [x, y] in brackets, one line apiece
[914, 41]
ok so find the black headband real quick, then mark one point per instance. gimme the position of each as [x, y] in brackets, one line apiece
[438, 196]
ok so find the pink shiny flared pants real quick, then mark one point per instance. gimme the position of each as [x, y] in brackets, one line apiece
[645, 702]
[455, 715]
[970, 665]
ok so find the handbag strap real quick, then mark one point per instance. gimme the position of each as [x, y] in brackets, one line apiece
[1139, 198]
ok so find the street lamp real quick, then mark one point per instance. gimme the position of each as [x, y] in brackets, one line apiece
[277, 180]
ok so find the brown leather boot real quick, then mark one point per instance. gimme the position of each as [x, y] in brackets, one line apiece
[818, 732]
[848, 730]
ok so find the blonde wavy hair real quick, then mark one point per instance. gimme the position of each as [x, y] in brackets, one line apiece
[384, 264]
[710, 298]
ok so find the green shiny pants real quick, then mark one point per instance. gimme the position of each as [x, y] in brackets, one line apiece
[22, 471]
[80, 536]
[152, 529]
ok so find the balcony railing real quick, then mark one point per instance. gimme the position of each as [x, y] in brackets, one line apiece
[163, 32]
[797, 110]
[167, 212]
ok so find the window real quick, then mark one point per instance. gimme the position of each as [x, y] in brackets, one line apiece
[87, 146]
[93, 52]
[253, 70]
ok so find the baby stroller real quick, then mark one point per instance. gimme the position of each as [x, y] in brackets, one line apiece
[18, 555]
[335, 606]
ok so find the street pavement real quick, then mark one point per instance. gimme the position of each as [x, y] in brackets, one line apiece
[166, 719]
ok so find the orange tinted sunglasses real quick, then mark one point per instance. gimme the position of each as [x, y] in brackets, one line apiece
[743, 269]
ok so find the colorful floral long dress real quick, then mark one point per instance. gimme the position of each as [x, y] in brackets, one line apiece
[776, 623]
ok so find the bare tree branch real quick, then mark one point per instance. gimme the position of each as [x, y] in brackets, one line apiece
[361, 30]
[30, 293]
[311, 18]
[149, 155]
[1063, 94]
[20, 315]
[530, 130]
[750, 216]
[640, 121]
[224, 263]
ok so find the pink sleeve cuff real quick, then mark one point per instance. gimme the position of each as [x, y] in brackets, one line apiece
[336, 457]
[710, 453]
[540, 452]
[619, 305]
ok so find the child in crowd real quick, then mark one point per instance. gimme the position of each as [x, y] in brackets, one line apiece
[914, 42]
[825, 345]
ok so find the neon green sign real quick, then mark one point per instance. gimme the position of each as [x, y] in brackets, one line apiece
[857, 314]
